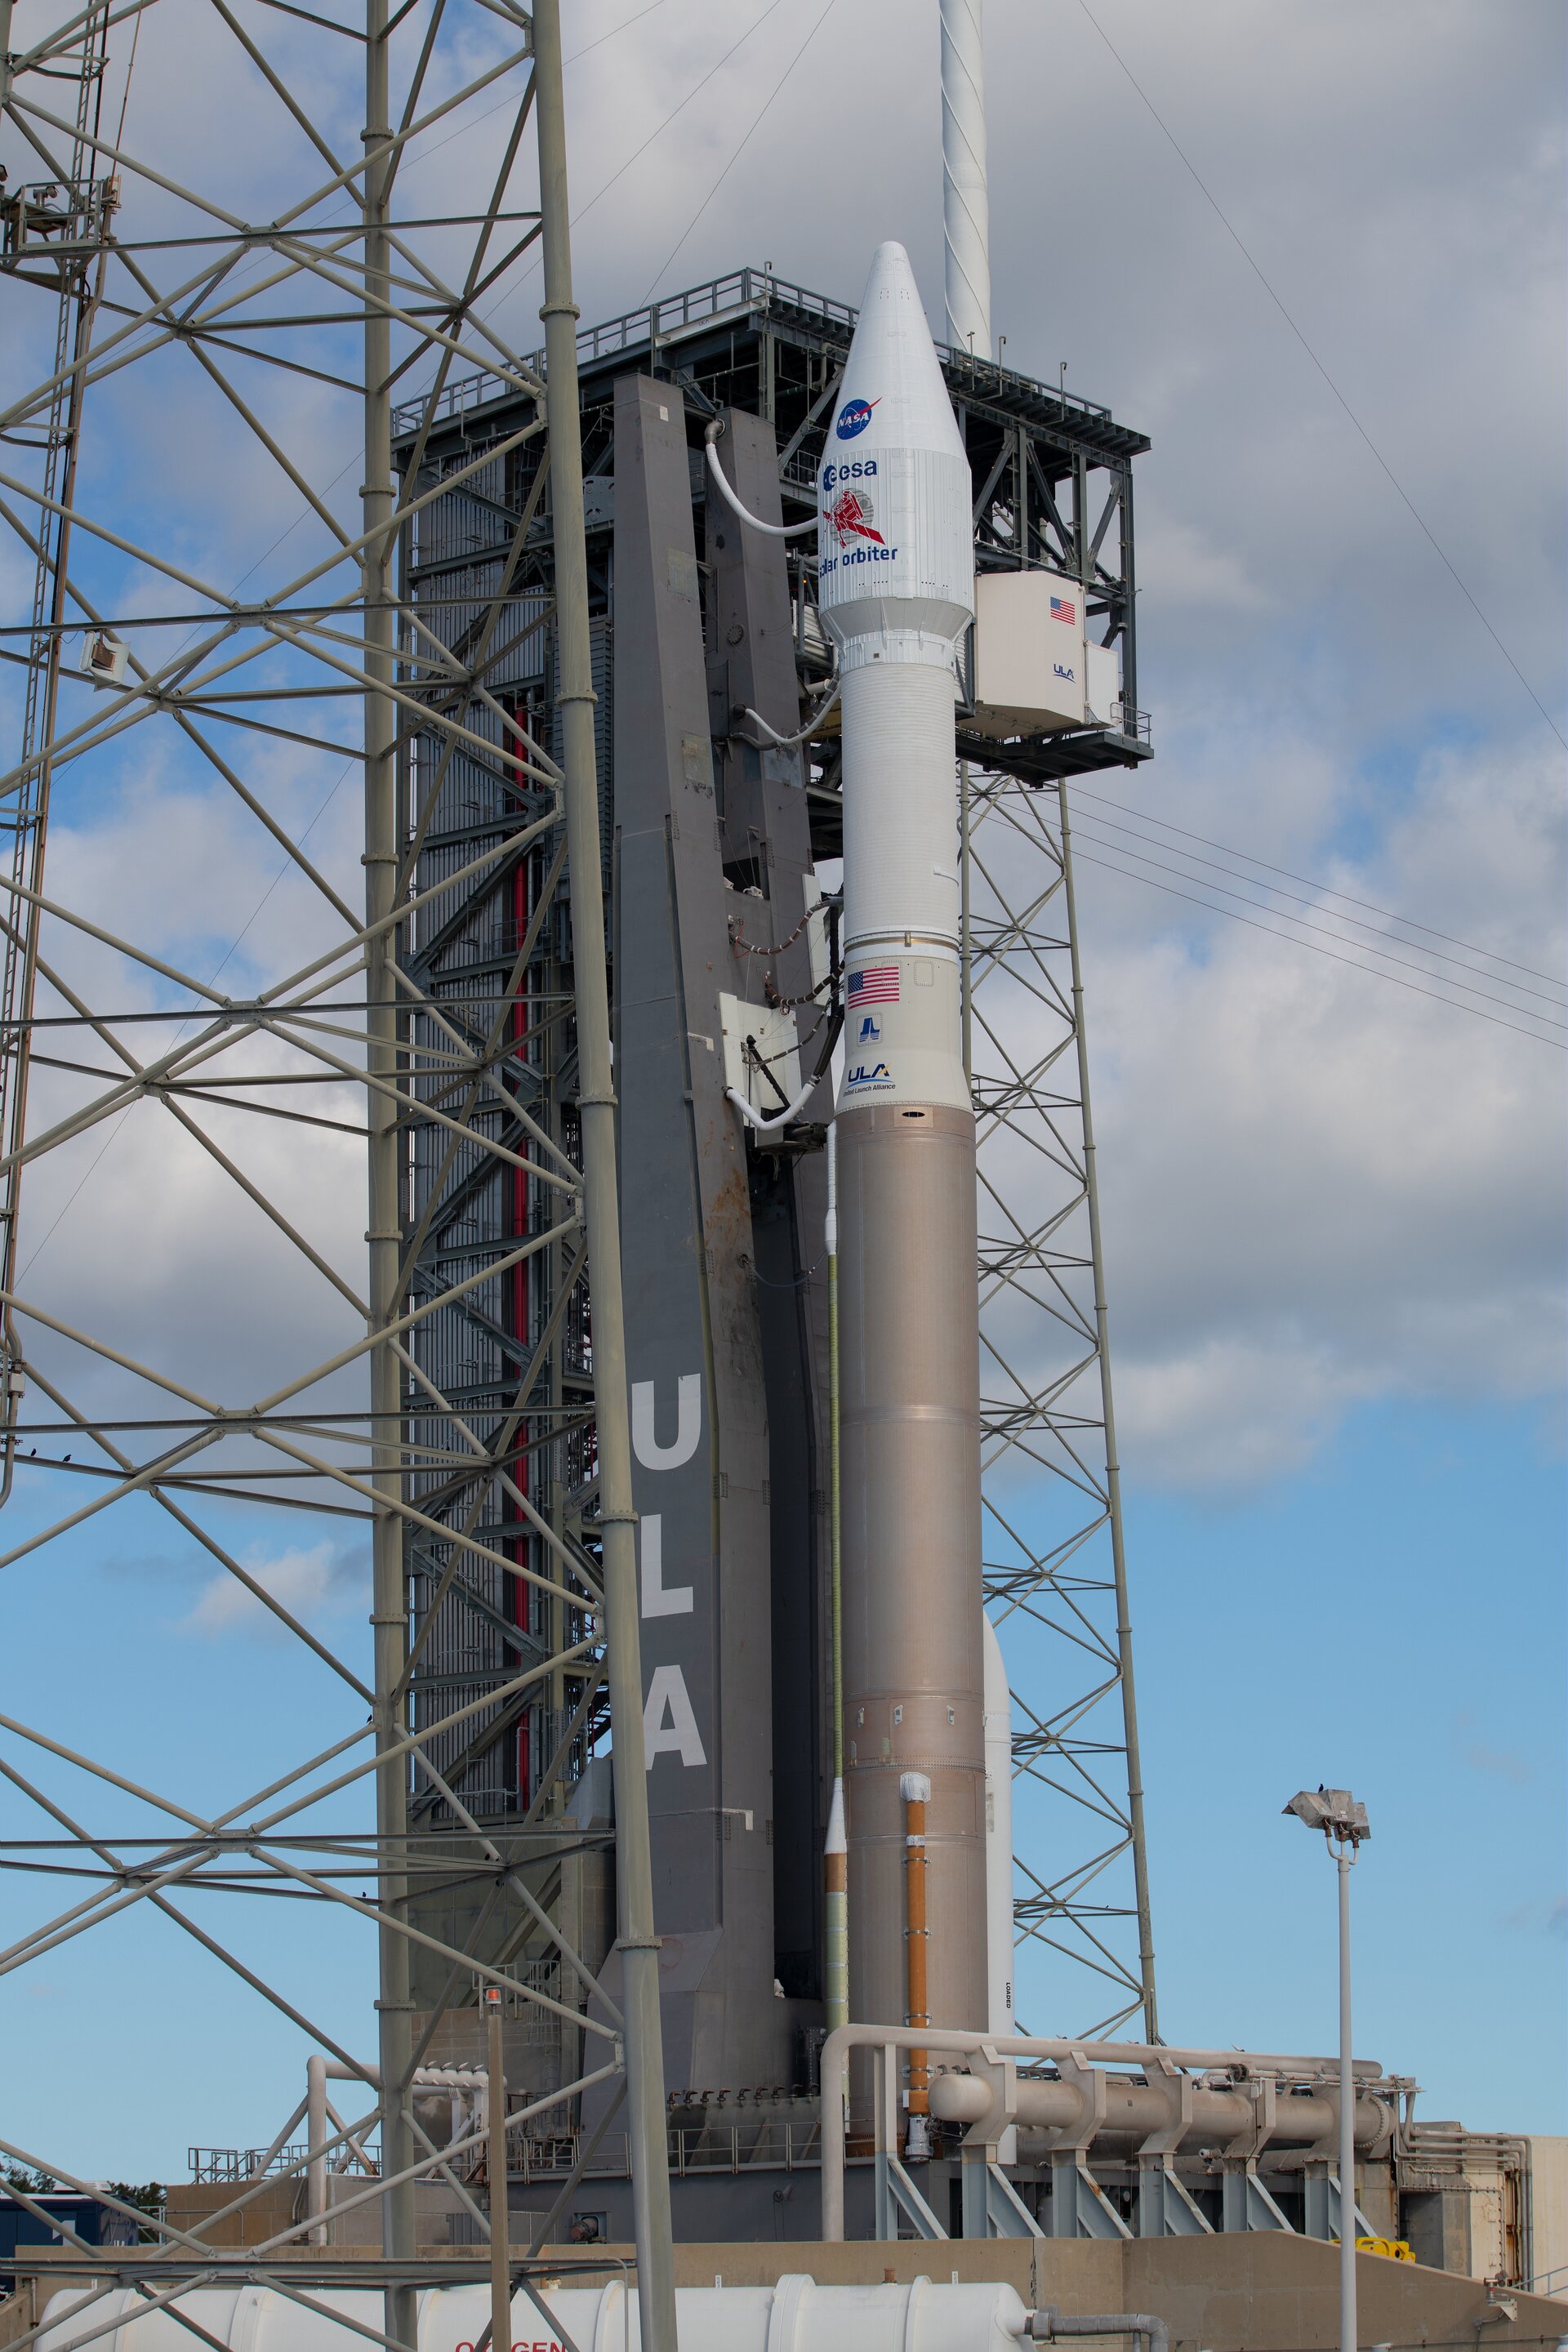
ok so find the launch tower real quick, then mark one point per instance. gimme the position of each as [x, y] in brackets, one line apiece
[722, 824]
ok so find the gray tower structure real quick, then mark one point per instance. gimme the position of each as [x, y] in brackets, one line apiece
[698, 1349]
[707, 652]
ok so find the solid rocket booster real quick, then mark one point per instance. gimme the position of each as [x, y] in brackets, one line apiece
[897, 591]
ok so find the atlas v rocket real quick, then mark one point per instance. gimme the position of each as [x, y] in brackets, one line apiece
[895, 594]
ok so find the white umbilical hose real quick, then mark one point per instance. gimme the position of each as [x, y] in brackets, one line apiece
[768, 529]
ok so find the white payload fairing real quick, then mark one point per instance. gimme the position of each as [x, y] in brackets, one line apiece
[897, 593]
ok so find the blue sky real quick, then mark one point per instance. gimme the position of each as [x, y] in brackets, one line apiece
[1392, 1619]
[1332, 1209]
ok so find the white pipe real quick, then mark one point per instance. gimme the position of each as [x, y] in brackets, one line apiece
[790, 743]
[767, 1125]
[319, 2071]
[426, 2078]
[965, 203]
[1348, 2326]
[1134, 2109]
[999, 1940]
[998, 1835]
[316, 2141]
[768, 529]
[830, 1216]
[794, 2315]
[836, 2058]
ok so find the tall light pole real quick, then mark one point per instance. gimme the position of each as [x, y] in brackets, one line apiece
[1344, 1826]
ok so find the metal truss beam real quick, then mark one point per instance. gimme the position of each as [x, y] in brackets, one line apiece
[1056, 1560]
[462, 1016]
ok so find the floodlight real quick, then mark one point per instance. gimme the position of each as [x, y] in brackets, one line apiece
[1343, 1822]
[1335, 1811]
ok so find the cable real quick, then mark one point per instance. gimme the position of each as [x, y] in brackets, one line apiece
[626, 23]
[130, 69]
[822, 18]
[578, 216]
[1231, 232]
[465, 128]
[506, 292]
[1305, 926]
[1131, 876]
[754, 26]
[648, 11]
[1218, 868]
[34, 1254]
[1323, 887]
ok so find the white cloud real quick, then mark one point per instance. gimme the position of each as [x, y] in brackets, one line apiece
[311, 1582]
[1177, 561]
[1318, 1188]
[1229, 1412]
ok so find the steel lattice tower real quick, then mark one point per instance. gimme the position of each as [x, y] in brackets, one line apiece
[351, 293]
[1056, 1567]
[462, 1397]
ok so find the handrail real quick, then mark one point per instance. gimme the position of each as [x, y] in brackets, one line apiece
[748, 289]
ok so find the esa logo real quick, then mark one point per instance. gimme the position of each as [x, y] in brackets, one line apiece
[863, 469]
[854, 417]
[1062, 670]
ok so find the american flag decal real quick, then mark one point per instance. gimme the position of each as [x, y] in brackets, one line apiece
[876, 984]
[1063, 610]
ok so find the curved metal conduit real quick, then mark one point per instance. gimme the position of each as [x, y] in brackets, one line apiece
[769, 531]
[1046, 2324]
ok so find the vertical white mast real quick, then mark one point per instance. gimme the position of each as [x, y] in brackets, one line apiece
[965, 205]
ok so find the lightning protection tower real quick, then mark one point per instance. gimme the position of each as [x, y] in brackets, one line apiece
[206, 336]
[719, 771]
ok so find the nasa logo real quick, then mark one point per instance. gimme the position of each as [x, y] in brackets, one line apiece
[1062, 671]
[854, 417]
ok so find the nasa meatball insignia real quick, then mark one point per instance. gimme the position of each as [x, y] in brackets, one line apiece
[854, 417]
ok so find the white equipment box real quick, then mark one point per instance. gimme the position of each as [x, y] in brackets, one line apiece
[105, 658]
[1101, 684]
[1029, 653]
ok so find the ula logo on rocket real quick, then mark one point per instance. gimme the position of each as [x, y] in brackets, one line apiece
[854, 417]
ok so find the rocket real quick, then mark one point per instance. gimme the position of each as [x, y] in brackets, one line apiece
[896, 593]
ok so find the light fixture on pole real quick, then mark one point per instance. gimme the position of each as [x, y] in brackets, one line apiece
[1343, 1822]
[492, 2001]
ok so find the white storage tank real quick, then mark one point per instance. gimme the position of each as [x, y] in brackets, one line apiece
[796, 2316]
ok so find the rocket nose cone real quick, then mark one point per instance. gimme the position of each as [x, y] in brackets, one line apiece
[892, 281]
[893, 388]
